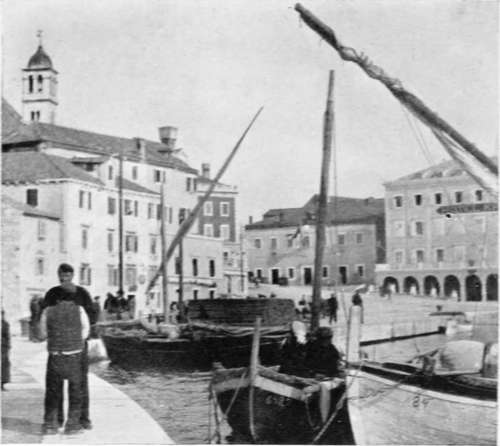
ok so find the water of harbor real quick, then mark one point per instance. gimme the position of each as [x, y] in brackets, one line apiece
[178, 400]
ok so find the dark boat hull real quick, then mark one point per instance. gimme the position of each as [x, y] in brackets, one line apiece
[160, 351]
[283, 414]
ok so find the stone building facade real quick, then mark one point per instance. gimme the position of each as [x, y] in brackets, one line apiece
[442, 235]
[281, 246]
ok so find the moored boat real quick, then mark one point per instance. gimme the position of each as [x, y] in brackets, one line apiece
[223, 334]
[287, 409]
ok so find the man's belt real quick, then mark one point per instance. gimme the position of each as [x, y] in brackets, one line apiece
[65, 353]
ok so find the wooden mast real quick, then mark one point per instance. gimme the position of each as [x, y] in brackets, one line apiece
[322, 213]
[120, 223]
[163, 229]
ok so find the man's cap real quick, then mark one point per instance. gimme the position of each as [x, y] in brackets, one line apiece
[65, 268]
[324, 332]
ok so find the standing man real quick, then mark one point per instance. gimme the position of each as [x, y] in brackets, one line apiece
[79, 295]
[5, 351]
[333, 306]
[356, 300]
[66, 326]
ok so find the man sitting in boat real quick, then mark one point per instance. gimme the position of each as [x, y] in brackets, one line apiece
[293, 352]
[322, 357]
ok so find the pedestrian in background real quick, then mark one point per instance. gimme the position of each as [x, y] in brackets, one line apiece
[35, 312]
[68, 291]
[121, 304]
[66, 326]
[333, 306]
[5, 351]
[357, 301]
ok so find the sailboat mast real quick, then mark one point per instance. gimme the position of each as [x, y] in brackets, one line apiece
[321, 214]
[163, 229]
[120, 223]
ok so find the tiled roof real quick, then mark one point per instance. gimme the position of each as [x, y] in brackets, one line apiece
[130, 185]
[341, 210]
[92, 142]
[13, 126]
[27, 209]
[29, 167]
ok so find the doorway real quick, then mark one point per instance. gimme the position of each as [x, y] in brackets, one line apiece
[343, 274]
[275, 276]
[307, 275]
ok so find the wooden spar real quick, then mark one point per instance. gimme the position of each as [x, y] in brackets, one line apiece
[412, 102]
[164, 273]
[188, 222]
[120, 224]
[254, 364]
[322, 206]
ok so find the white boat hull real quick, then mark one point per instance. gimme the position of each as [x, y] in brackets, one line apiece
[385, 411]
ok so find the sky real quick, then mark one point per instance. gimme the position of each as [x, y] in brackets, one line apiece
[127, 67]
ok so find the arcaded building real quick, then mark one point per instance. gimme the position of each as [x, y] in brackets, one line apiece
[441, 235]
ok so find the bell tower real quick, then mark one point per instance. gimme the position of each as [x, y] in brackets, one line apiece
[39, 87]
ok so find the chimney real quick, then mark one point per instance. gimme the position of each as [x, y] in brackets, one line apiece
[250, 219]
[205, 170]
[168, 136]
[140, 146]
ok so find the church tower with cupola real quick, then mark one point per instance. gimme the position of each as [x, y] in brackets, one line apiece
[39, 88]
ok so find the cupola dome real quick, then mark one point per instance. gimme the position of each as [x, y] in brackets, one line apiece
[40, 60]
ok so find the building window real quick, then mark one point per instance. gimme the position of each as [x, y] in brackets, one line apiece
[208, 229]
[136, 208]
[112, 275]
[257, 243]
[131, 242]
[110, 241]
[89, 200]
[398, 201]
[324, 272]
[111, 206]
[30, 84]
[32, 197]
[458, 197]
[85, 274]
[208, 209]
[40, 83]
[224, 209]
[110, 172]
[42, 230]
[258, 273]
[134, 172]
[153, 241]
[211, 268]
[158, 211]
[398, 257]
[151, 210]
[274, 243]
[438, 198]
[194, 263]
[306, 241]
[398, 228]
[177, 265]
[420, 255]
[211, 294]
[195, 294]
[39, 266]
[188, 183]
[439, 255]
[341, 239]
[157, 175]
[360, 269]
[85, 237]
[130, 275]
[419, 228]
[418, 199]
[127, 209]
[224, 232]
[170, 214]
[359, 238]
[81, 199]
[478, 195]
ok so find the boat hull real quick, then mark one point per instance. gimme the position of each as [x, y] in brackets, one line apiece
[160, 351]
[282, 412]
[389, 410]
